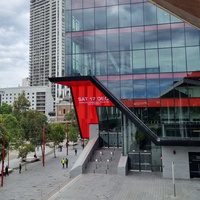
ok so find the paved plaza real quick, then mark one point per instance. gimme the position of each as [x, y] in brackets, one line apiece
[52, 182]
[135, 186]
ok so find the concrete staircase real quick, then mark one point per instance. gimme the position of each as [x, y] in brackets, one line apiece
[104, 161]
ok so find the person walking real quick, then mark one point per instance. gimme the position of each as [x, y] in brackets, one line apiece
[75, 151]
[63, 162]
[66, 162]
[6, 171]
[20, 168]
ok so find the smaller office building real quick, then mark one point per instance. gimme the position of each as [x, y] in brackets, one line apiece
[40, 97]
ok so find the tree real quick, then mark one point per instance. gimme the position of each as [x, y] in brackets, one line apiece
[73, 129]
[57, 134]
[72, 133]
[71, 117]
[25, 149]
[32, 124]
[3, 134]
[5, 108]
[12, 128]
[20, 105]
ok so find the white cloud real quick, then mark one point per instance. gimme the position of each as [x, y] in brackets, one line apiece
[14, 42]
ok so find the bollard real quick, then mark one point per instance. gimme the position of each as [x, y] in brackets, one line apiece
[100, 155]
[96, 162]
[108, 163]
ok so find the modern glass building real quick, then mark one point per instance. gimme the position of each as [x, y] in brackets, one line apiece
[149, 60]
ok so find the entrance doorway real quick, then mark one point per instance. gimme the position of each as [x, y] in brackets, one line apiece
[140, 161]
[194, 163]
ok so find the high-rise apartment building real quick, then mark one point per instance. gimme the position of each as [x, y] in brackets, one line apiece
[47, 43]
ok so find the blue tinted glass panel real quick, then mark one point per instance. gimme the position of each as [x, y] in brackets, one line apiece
[88, 65]
[179, 61]
[77, 60]
[77, 4]
[137, 39]
[165, 60]
[77, 44]
[165, 86]
[124, 1]
[101, 64]
[125, 39]
[68, 45]
[88, 4]
[113, 63]
[112, 17]
[151, 61]
[100, 42]
[100, 3]
[113, 41]
[175, 19]
[137, 15]
[88, 19]
[136, 1]
[162, 16]
[164, 36]
[191, 36]
[68, 64]
[139, 88]
[77, 20]
[125, 63]
[88, 42]
[114, 86]
[127, 89]
[178, 38]
[124, 16]
[100, 18]
[112, 2]
[193, 59]
[149, 14]
[68, 5]
[138, 59]
[68, 21]
[151, 39]
[153, 88]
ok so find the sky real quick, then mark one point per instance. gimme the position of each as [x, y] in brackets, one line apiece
[14, 42]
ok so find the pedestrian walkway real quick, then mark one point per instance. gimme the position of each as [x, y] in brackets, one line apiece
[135, 186]
[36, 181]
[52, 182]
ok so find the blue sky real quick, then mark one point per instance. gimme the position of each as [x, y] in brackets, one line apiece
[14, 42]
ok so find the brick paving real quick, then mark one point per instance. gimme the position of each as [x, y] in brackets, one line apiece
[53, 183]
[136, 186]
[37, 181]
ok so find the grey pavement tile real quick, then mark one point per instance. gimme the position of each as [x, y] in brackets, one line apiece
[53, 183]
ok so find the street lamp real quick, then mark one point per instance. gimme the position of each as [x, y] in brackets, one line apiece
[43, 144]
[2, 157]
[67, 137]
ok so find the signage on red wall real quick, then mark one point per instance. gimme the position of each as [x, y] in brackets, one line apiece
[93, 100]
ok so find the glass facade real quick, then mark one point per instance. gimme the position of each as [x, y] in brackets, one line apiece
[146, 57]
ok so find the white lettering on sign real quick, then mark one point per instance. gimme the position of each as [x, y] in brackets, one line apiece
[93, 100]
[84, 99]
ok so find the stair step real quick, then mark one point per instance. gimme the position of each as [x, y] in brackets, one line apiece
[104, 161]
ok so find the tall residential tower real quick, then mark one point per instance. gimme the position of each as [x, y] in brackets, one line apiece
[47, 42]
